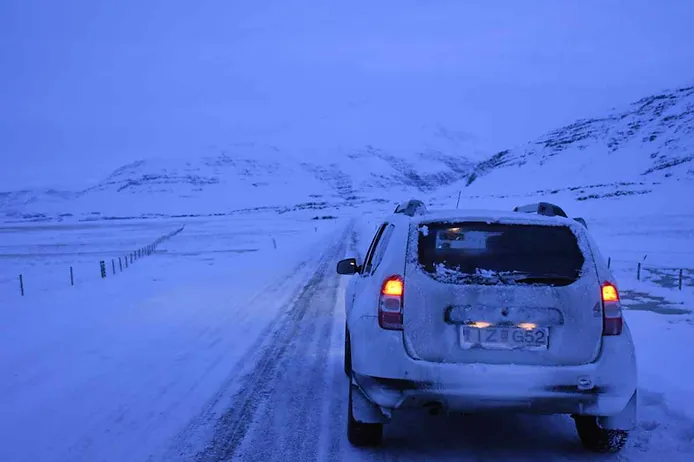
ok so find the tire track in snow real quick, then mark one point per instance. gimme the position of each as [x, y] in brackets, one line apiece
[289, 425]
[286, 352]
[187, 441]
[160, 380]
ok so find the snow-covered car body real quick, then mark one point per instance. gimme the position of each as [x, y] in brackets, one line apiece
[422, 332]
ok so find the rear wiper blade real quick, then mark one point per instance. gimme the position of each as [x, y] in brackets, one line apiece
[477, 279]
[481, 279]
[546, 278]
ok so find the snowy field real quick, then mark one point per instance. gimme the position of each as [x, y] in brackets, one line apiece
[222, 347]
[44, 253]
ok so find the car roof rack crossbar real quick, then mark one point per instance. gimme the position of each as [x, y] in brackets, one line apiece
[542, 208]
[411, 208]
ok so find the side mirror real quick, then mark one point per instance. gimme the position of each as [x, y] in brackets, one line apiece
[348, 266]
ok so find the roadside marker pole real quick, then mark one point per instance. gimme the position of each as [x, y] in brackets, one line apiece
[72, 277]
[21, 285]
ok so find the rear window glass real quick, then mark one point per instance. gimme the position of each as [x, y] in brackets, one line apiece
[484, 253]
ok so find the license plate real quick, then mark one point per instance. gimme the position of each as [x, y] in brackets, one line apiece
[504, 338]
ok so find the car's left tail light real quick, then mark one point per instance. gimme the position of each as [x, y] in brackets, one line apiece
[390, 303]
[611, 310]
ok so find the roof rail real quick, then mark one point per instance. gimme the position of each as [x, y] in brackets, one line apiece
[411, 208]
[581, 221]
[542, 208]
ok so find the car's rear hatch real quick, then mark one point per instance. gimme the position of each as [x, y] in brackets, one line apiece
[504, 292]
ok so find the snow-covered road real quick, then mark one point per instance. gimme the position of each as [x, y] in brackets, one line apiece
[241, 359]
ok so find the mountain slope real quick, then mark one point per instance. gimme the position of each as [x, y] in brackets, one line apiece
[649, 142]
[627, 153]
[250, 176]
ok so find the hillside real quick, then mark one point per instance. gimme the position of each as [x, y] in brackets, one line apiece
[650, 142]
[246, 177]
[629, 152]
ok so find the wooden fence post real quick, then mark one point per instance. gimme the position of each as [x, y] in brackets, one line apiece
[102, 267]
[680, 284]
[72, 277]
[274, 243]
[21, 285]
[638, 272]
[113, 265]
[120, 264]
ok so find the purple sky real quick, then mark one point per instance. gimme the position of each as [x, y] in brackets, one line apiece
[87, 86]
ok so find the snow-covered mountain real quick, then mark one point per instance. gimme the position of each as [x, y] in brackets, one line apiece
[628, 152]
[248, 176]
[26, 199]
[650, 142]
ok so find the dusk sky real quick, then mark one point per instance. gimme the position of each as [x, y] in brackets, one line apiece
[86, 86]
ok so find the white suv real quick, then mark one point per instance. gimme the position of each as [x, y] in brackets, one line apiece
[464, 311]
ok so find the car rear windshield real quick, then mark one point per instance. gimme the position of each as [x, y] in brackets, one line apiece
[484, 253]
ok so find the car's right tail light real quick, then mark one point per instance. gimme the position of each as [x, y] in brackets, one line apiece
[611, 310]
[390, 303]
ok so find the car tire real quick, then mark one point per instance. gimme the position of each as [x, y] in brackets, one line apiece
[348, 354]
[597, 439]
[359, 433]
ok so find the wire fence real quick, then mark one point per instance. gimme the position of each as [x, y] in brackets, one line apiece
[664, 276]
[103, 268]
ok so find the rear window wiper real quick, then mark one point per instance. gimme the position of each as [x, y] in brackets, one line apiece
[544, 279]
[471, 278]
[494, 279]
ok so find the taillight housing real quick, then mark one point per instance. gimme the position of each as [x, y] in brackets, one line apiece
[612, 320]
[390, 303]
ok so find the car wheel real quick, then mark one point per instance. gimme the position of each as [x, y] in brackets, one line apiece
[360, 433]
[348, 354]
[598, 439]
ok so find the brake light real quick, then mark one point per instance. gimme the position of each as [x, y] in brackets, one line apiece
[609, 293]
[390, 303]
[611, 310]
[392, 287]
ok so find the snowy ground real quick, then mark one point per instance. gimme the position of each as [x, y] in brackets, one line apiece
[221, 347]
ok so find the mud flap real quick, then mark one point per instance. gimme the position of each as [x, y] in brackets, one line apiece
[364, 410]
[625, 420]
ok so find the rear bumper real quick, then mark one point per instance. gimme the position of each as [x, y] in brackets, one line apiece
[470, 398]
[390, 378]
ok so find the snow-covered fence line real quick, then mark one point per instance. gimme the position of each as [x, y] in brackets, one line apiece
[124, 261]
[665, 276]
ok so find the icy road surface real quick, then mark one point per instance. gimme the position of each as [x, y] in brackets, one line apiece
[240, 358]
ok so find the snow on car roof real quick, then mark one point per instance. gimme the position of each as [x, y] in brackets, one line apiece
[489, 216]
